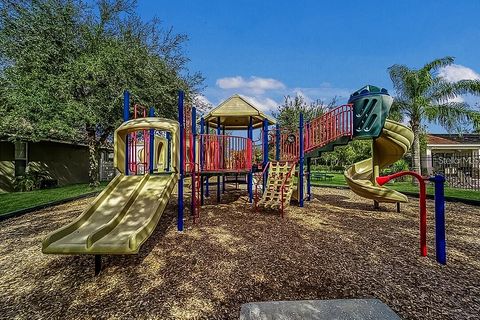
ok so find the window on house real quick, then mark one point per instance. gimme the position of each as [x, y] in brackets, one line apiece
[21, 157]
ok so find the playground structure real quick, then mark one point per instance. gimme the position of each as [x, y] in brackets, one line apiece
[154, 154]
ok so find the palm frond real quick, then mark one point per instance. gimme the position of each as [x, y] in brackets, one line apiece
[449, 115]
[396, 111]
[475, 117]
[444, 90]
[398, 74]
[438, 63]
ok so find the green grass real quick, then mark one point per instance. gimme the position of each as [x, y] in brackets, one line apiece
[339, 180]
[22, 200]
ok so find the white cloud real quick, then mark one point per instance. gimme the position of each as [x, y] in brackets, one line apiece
[299, 92]
[268, 93]
[202, 103]
[256, 85]
[456, 72]
[264, 104]
[325, 92]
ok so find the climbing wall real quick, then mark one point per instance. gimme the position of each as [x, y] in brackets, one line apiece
[280, 176]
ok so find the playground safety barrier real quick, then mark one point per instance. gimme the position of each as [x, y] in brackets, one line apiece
[224, 153]
[319, 132]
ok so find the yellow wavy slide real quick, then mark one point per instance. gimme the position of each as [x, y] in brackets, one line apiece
[119, 220]
[393, 143]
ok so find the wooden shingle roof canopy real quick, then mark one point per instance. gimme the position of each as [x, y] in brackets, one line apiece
[235, 113]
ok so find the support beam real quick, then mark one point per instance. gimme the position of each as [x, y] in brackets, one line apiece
[265, 152]
[440, 233]
[224, 155]
[151, 138]
[202, 159]
[300, 169]
[219, 158]
[207, 191]
[250, 174]
[126, 117]
[202, 196]
[194, 155]
[309, 179]
[277, 142]
[182, 163]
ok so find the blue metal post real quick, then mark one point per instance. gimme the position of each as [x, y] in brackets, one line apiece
[218, 177]
[277, 142]
[207, 189]
[194, 154]
[169, 150]
[440, 237]
[126, 117]
[309, 179]
[250, 174]
[265, 152]
[180, 165]
[151, 113]
[202, 131]
[300, 169]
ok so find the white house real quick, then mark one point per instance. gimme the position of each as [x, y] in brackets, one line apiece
[453, 154]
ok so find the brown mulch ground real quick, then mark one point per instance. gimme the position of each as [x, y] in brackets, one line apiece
[336, 247]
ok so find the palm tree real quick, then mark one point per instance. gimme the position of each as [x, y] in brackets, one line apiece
[423, 96]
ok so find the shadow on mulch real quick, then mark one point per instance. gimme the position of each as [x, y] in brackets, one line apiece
[329, 249]
[343, 202]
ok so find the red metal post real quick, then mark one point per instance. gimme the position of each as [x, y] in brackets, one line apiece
[423, 206]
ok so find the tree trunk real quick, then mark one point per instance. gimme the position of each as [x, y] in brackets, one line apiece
[93, 158]
[416, 165]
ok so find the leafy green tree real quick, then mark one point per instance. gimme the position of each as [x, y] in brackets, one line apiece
[66, 63]
[288, 114]
[343, 156]
[422, 95]
[37, 42]
[476, 120]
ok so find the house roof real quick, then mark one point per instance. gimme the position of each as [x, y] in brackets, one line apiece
[433, 139]
[466, 138]
[234, 114]
[108, 145]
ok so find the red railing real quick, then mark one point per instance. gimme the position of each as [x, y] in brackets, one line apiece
[318, 132]
[329, 127]
[224, 153]
[138, 141]
[289, 146]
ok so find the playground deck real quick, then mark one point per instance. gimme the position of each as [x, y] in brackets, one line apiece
[338, 247]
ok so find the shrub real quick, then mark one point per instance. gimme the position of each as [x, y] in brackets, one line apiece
[31, 180]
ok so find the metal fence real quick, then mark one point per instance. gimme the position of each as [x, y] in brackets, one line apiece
[107, 170]
[460, 171]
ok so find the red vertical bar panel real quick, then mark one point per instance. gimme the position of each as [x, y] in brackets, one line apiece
[224, 152]
[328, 127]
[217, 153]
[207, 151]
[333, 125]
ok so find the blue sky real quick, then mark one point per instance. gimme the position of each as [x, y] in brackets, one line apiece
[320, 49]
